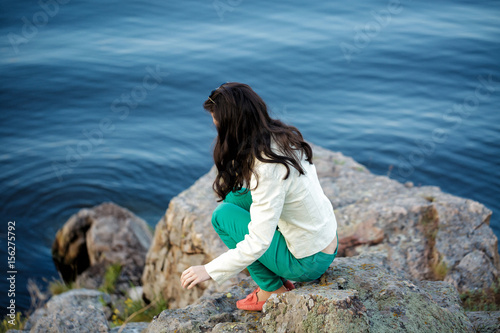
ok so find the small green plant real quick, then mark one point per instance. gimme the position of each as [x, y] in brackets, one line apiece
[57, 287]
[16, 323]
[440, 270]
[136, 311]
[110, 278]
[482, 300]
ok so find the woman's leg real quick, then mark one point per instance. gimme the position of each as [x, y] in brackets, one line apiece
[281, 261]
[241, 198]
[230, 221]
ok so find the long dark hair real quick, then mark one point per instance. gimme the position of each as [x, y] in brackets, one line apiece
[245, 132]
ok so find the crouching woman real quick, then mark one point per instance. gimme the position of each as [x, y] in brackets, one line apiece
[274, 218]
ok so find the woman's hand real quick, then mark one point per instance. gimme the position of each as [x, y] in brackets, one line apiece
[194, 275]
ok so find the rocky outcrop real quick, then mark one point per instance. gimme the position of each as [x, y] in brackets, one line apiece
[419, 233]
[407, 251]
[425, 233]
[95, 238]
[354, 295]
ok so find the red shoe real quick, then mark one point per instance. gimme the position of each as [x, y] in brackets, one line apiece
[250, 302]
[289, 285]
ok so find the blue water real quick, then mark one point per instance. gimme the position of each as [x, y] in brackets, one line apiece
[84, 121]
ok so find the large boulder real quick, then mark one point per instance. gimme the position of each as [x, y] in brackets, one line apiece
[354, 295]
[420, 233]
[78, 311]
[424, 232]
[213, 313]
[93, 239]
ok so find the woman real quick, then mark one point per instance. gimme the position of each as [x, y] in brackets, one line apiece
[275, 218]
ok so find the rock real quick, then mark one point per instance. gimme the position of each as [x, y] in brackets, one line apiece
[461, 229]
[233, 327]
[135, 293]
[418, 233]
[485, 322]
[354, 295]
[95, 238]
[316, 311]
[78, 310]
[475, 271]
[216, 313]
[130, 328]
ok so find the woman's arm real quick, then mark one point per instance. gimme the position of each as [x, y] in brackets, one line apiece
[267, 204]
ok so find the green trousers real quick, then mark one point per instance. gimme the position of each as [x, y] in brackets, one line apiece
[230, 220]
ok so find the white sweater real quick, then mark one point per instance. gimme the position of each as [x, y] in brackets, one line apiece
[296, 205]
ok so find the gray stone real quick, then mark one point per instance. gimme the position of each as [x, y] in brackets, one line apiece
[216, 312]
[355, 295]
[308, 310]
[95, 238]
[130, 328]
[135, 293]
[234, 327]
[444, 294]
[78, 310]
[475, 271]
[485, 322]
